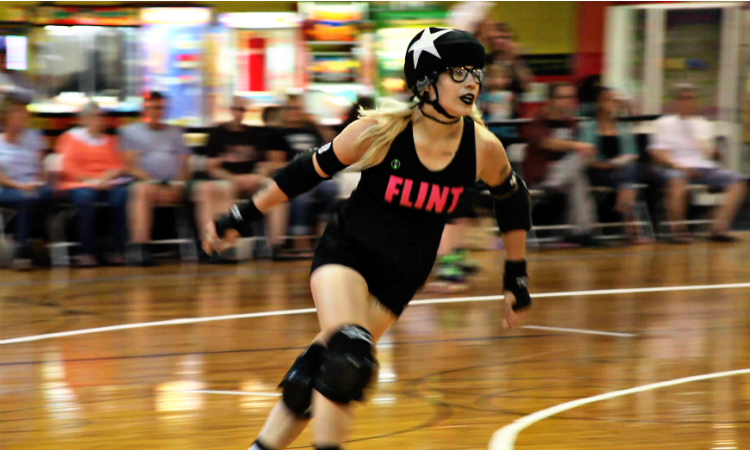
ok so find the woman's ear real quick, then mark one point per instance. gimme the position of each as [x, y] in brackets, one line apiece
[429, 92]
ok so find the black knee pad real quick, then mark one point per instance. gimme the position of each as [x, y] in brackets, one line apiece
[298, 382]
[348, 365]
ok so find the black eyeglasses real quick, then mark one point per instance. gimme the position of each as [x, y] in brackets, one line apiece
[238, 108]
[459, 74]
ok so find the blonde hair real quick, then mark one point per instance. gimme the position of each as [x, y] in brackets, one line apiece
[392, 117]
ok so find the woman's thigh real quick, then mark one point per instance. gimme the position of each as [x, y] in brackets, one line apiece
[342, 298]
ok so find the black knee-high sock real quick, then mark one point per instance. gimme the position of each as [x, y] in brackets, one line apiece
[330, 447]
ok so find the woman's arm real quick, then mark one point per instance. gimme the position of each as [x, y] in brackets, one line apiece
[510, 200]
[271, 195]
[300, 175]
[117, 160]
[8, 182]
[495, 170]
[130, 158]
[215, 170]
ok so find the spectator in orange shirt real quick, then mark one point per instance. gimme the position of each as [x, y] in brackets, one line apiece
[93, 171]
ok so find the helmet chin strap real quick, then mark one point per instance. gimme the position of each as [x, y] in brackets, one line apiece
[435, 119]
[436, 104]
[424, 99]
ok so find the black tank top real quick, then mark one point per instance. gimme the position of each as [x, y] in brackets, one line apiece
[399, 209]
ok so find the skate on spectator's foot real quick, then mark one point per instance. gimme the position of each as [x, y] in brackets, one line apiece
[450, 270]
[469, 266]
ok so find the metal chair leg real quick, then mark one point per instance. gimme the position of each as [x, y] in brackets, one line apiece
[188, 247]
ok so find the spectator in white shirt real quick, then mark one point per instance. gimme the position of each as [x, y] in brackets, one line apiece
[684, 149]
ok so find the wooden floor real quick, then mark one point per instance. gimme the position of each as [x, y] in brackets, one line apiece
[450, 375]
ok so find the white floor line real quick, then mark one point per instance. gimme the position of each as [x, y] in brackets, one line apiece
[287, 312]
[579, 330]
[159, 323]
[505, 437]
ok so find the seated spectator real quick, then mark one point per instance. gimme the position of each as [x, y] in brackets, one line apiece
[684, 149]
[272, 117]
[236, 167]
[93, 171]
[22, 184]
[156, 155]
[496, 97]
[588, 95]
[300, 134]
[505, 51]
[616, 161]
[556, 160]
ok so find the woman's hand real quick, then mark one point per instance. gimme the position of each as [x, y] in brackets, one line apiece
[212, 242]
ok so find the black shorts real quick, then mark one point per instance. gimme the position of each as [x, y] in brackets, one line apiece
[391, 285]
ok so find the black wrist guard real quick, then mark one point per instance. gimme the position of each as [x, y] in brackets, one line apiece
[239, 218]
[516, 281]
[512, 204]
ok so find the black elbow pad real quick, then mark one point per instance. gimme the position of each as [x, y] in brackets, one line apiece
[512, 204]
[299, 176]
[328, 161]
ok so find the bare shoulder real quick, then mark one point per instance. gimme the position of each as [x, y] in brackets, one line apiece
[344, 143]
[489, 147]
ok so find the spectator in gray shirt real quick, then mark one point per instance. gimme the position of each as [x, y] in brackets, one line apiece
[156, 155]
[22, 185]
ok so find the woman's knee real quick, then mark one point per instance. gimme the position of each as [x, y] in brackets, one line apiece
[348, 365]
